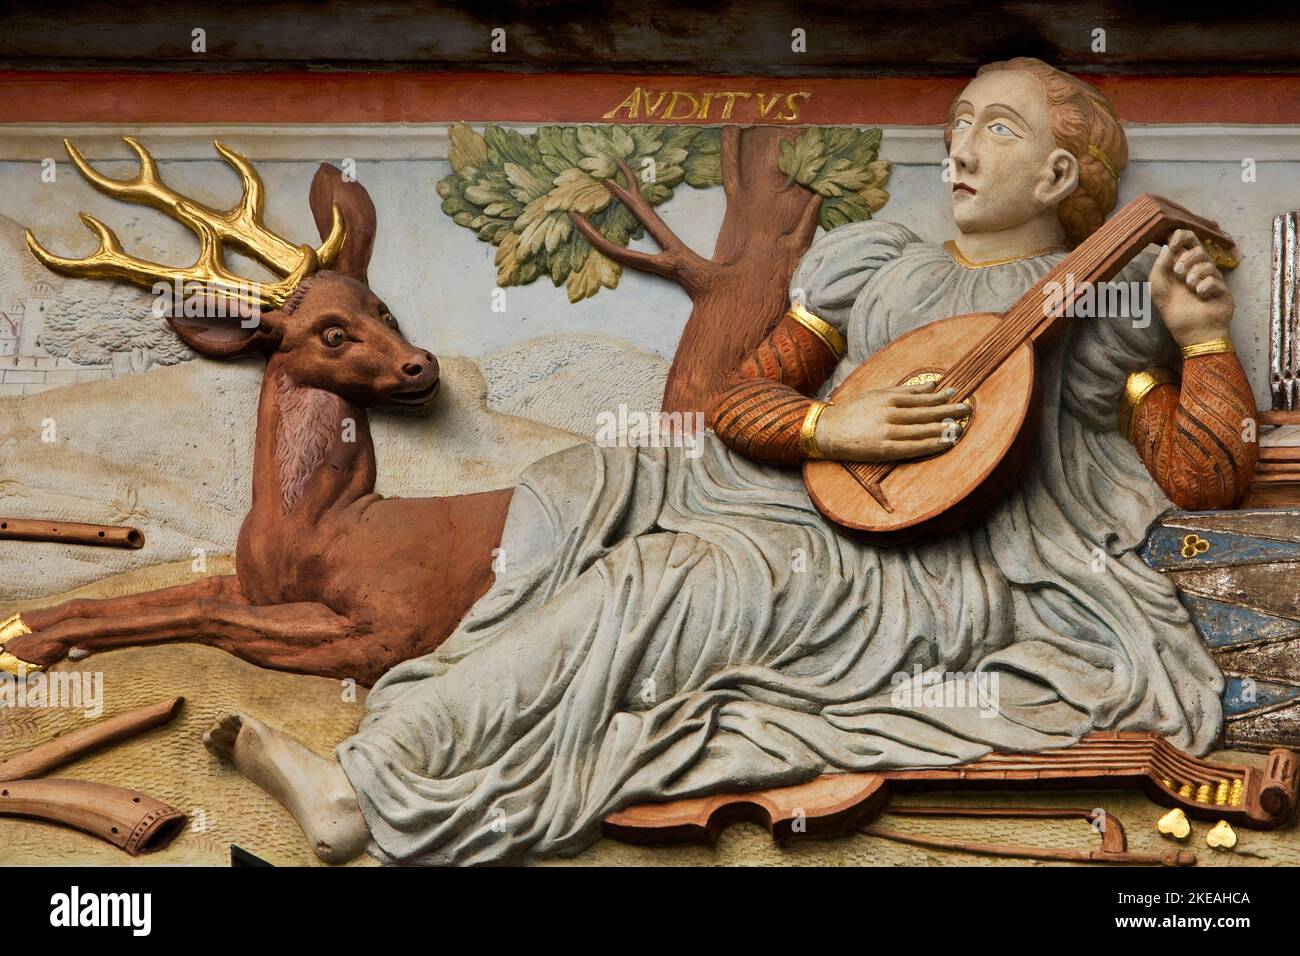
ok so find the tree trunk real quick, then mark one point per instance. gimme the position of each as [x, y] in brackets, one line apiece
[741, 293]
[769, 224]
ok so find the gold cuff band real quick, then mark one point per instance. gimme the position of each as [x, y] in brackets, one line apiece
[1212, 347]
[818, 327]
[808, 432]
[9, 629]
[1136, 389]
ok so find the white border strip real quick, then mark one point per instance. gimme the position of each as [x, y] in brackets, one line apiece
[388, 141]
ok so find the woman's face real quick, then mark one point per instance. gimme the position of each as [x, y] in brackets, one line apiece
[1005, 166]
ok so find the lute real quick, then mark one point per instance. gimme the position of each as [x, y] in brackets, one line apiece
[990, 359]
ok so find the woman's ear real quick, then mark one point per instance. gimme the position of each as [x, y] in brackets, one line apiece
[329, 189]
[1060, 177]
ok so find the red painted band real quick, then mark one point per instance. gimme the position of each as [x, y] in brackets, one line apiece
[128, 98]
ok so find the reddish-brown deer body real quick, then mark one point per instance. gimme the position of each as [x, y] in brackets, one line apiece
[331, 578]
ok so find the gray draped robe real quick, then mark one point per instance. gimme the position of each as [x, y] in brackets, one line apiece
[668, 626]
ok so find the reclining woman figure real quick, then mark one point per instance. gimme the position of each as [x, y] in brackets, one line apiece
[674, 626]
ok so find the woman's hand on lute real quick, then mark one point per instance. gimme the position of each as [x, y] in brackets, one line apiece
[1189, 291]
[891, 424]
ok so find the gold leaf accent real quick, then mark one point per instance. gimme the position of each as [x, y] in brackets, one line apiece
[1221, 837]
[1174, 824]
[508, 260]
[575, 190]
[468, 148]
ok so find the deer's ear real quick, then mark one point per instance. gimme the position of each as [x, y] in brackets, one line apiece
[224, 338]
[328, 189]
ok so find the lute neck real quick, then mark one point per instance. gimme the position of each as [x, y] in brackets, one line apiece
[1043, 311]
[1099, 258]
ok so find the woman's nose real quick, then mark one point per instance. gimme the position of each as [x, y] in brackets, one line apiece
[961, 155]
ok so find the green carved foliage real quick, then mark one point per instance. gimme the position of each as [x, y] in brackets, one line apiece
[517, 191]
[839, 163]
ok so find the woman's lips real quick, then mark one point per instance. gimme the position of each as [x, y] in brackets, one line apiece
[962, 187]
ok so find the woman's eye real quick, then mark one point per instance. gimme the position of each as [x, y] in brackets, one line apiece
[1001, 129]
[961, 124]
[334, 337]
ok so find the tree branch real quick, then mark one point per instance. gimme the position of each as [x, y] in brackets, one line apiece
[806, 228]
[677, 261]
[686, 257]
[641, 261]
[729, 160]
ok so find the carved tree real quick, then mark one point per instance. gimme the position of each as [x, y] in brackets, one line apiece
[566, 201]
[94, 324]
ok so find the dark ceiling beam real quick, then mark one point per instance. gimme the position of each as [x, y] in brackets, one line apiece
[738, 37]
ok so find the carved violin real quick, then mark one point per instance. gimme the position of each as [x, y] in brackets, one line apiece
[897, 502]
[837, 803]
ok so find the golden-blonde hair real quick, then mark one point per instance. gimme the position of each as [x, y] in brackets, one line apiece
[1084, 124]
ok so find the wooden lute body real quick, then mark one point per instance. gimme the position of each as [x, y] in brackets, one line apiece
[990, 359]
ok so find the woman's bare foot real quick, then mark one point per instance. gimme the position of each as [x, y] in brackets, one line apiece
[312, 788]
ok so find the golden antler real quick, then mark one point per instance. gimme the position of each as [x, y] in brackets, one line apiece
[241, 228]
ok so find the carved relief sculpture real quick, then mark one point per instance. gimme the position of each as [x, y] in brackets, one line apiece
[632, 640]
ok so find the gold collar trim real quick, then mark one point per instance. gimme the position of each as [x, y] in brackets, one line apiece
[950, 247]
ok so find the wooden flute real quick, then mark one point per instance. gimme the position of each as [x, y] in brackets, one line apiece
[70, 532]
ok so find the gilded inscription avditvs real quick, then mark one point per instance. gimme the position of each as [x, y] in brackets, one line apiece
[646, 104]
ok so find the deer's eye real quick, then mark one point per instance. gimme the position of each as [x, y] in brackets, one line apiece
[334, 336]
[388, 320]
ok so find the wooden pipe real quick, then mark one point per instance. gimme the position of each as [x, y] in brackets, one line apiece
[70, 532]
[65, 749]
[131, 821]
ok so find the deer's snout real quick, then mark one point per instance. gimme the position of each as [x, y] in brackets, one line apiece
[422, 367]
[419, 379]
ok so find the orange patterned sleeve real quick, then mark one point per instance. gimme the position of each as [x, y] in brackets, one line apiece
[762, 409]
[1198, 440]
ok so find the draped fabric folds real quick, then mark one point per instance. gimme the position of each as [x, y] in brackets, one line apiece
[665, 625]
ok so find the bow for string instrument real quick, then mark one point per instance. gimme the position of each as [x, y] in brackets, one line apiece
[896, 502]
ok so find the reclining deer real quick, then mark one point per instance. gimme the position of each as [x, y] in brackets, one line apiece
[331, 578]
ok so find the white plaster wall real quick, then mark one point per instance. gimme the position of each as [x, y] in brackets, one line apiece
[439, 278]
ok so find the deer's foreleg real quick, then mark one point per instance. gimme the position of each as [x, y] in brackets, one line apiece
[305, 638]
[224, 586]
